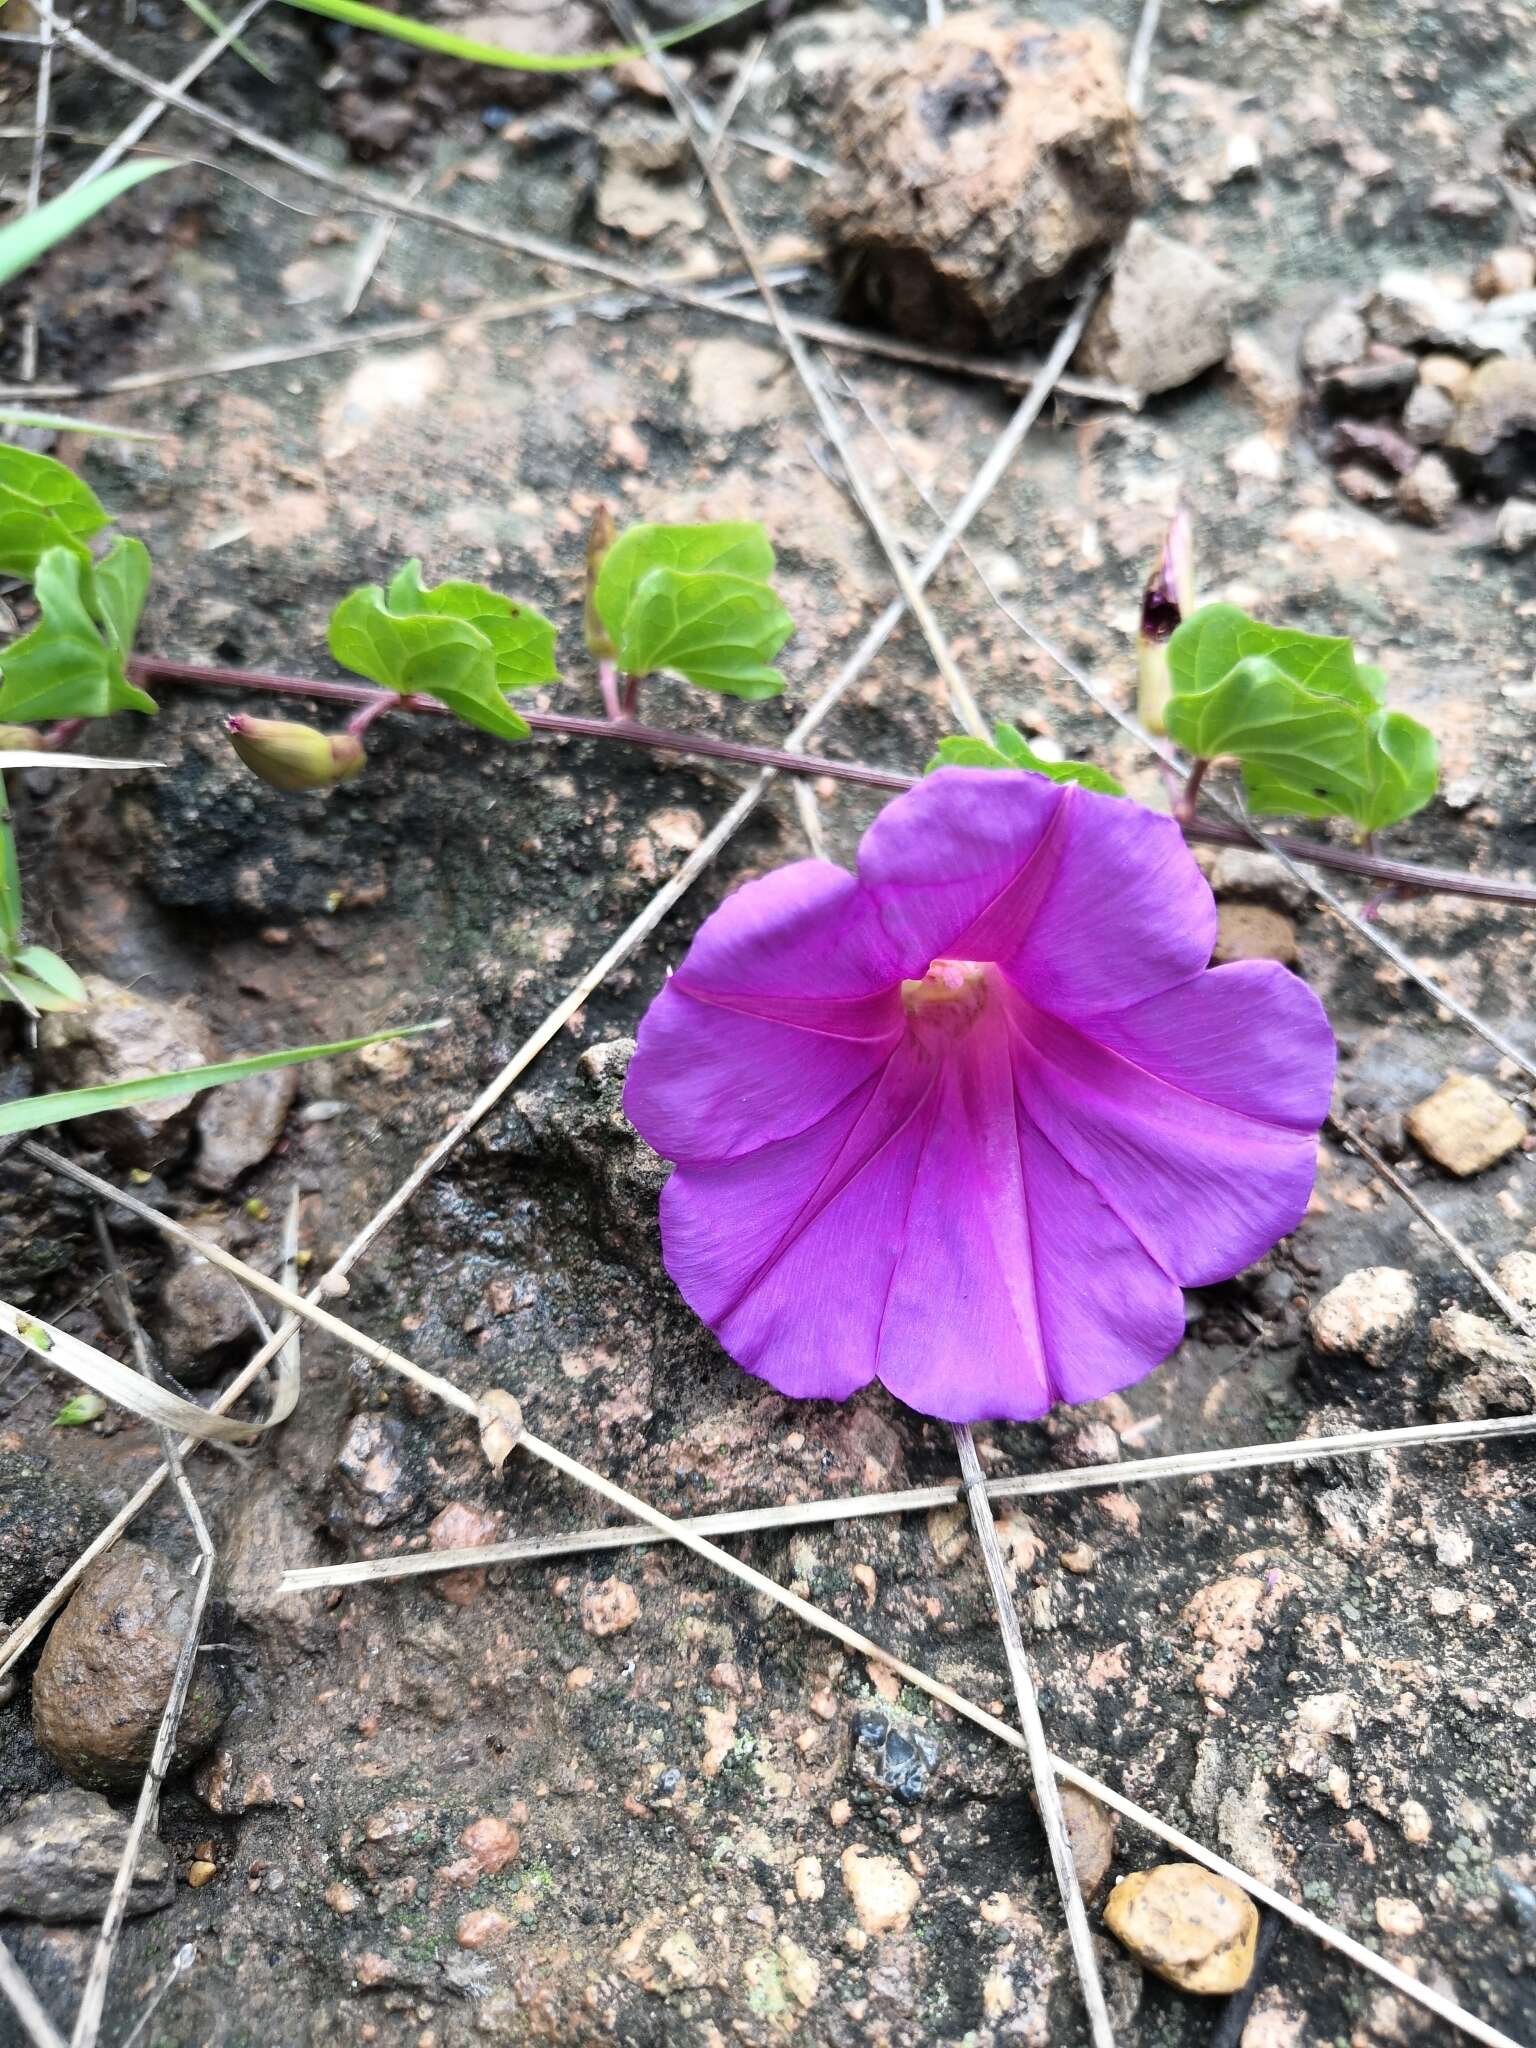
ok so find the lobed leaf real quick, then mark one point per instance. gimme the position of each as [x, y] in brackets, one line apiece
[1212, 641]
[71, 665]
[447, 658]
[1302, 716]
[522, 640]
[718, 631]
[33, 1112]
[1402, 769]
[42, 505]
[1008, 748]
[740, 547]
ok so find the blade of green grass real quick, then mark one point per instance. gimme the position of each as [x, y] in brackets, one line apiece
[34, 1112]
[10, 879]
[242, 50]
[67, 423]
[23, 241]
[441, 40]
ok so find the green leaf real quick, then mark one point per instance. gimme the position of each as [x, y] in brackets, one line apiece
[119, 585]
[442, 40]
[522, 640]
[1303, 717]
[54, 974]
[447, 658]
[65, 668]
[42, 505]
[1212, 641]
[1303, 754]
[1008, 748]
[34, 1112]
[1402, 768]
[82, 1408]
[739, 547]
[716, 630]
[23, 241]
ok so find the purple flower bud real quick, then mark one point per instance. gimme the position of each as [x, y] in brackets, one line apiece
[1168, 600]
[294, 757]
[601, 535]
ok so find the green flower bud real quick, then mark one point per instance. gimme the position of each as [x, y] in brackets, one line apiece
[294, 757]
[19, 739]
[601, 535]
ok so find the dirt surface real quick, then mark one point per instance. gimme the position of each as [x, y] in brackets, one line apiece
[1325, 1674]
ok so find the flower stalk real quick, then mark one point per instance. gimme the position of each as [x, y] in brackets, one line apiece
[1344, 860]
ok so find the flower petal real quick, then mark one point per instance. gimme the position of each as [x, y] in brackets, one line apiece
[787, 1252]
[1088, 902]
[1017, 1286]
[786, 1002]
[1194, 1114]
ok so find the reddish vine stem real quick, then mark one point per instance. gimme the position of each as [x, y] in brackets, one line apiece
[1345, 860]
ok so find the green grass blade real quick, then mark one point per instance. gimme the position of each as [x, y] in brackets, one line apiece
[242, 50]
[34, 1112]
[67, 423]
[426, 37]
[10, 879]
[23, 241]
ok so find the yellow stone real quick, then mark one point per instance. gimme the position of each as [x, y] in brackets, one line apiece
[1466, 1125]
[1186, 1925]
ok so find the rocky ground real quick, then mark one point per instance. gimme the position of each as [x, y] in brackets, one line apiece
[618, 1798]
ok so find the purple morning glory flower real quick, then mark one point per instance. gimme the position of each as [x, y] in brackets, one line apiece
[968, 1121]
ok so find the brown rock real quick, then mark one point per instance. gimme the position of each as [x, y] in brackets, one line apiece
[238, 1126]
[205, 1326]
[1493, 439]
[1429, 493]
[1091, 1830]
[1366, 1316]
[882, 1892]
[377, 1476]
[1466, 1126]
[1166, 316]
[492, 1844]
[1251, 931]
[105, 1673]
[483, 1928]
[981, 166]
[608, 1608]
[1186, 1925]
[461, 1527]
[59, 1858]
[1504, 272]
[125, 1035]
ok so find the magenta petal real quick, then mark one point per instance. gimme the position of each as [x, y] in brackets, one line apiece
[1017, 1286]
[953, 850]
[727, 1060]
[1088, 902]
[787, 1253]
[1195, 1115]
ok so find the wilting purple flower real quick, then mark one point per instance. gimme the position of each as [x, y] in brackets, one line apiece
[968, 1121]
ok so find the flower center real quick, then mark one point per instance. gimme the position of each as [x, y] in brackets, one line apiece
[948, 999]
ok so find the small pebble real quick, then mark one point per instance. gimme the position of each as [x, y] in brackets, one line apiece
[884, 1895]
[1186, 1925]
[1466, 1126]
[609, 1607]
